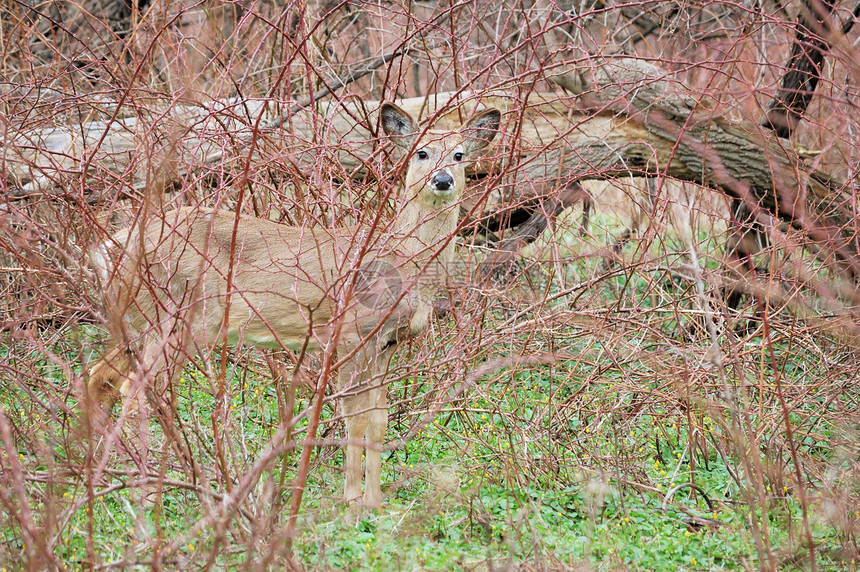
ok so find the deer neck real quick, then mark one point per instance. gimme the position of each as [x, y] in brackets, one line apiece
[427, 228]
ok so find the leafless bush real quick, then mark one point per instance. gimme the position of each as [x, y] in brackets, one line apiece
[111, 112]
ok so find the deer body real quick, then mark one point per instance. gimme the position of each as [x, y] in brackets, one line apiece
[193, 277]
[284, 286]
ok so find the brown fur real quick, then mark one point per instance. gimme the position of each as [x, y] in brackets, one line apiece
[107, 378]
[292, 287]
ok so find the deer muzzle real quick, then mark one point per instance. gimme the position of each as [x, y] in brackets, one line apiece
[442, 182]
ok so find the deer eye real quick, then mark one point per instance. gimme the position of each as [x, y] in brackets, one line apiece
[458, 157]
[422, 154]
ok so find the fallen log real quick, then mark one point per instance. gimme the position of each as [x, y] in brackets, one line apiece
[620, 117]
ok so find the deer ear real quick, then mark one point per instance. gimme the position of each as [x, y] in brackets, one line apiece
[398, 124]
[481, 130]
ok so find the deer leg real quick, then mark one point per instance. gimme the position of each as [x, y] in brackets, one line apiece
[103, 385]
[356, 411]
[378, 423]
[356, 428]
[365, 408]
[134, 424]
[377, 426]
[135, 410]
[135, 406]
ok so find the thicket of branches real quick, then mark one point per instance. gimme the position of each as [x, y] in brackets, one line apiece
[724, 134]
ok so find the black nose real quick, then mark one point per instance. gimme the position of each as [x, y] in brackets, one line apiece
[442, 181]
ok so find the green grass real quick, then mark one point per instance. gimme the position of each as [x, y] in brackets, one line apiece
[478, 484]
[539, 465]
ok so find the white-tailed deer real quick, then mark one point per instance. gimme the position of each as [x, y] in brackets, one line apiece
[190, 278]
